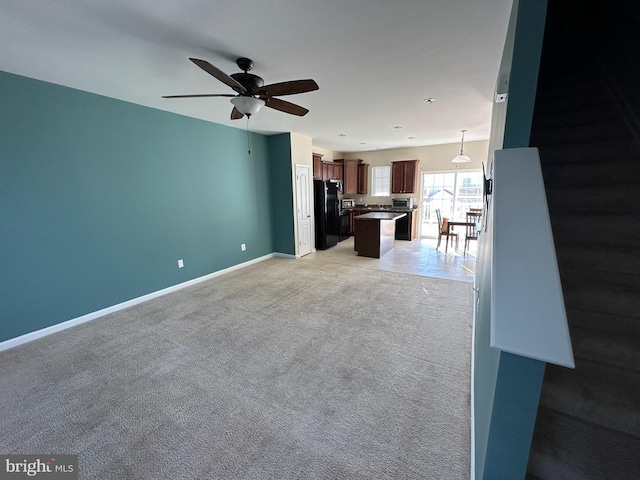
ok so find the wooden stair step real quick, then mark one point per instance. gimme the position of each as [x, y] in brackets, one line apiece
[567, 448]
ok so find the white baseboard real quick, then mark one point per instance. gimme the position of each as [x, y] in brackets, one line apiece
[29, 337]
[285, 255]
[472, 473]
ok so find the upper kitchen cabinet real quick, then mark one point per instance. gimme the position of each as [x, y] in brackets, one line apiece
[404, 176]
[331, 171]
[338, 171]
[363, 178]
[326, 170]
[317, 166]
[354, 176]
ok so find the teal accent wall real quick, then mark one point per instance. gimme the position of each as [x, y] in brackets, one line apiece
[282, 194]
[506, 386]
[525, 64]
[99, 198]
[517, 393]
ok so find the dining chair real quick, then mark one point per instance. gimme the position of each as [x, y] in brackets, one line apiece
[443, 231]
[475, 210]
[471, 229]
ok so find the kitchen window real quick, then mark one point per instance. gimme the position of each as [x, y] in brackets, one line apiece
[381, 181]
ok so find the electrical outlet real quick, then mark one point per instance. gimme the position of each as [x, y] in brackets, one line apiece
[243, 247]
[180, 263]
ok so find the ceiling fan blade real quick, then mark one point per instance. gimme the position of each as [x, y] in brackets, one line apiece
[286, 107]
[236, 114]
[199, 95]
[219, 74]
[290, 88]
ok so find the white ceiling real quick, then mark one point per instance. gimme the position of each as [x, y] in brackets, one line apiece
[374, 60]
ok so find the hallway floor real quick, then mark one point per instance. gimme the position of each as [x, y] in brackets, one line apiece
[418, 257]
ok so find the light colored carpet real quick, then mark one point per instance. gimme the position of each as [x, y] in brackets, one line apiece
[286, 369]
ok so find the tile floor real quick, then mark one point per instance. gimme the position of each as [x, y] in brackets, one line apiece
[418, 257]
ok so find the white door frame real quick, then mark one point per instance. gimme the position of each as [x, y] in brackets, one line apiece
[303, 210]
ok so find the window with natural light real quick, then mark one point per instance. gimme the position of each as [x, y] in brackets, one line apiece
[381, 181]
[453, 193]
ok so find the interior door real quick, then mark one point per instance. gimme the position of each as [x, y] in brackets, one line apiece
[303, 202]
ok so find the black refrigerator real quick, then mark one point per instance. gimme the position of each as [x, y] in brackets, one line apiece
[327, 213]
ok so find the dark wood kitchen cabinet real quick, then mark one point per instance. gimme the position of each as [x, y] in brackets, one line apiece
[317, 166]
[363, 178]
[338, 171]
[354, 213]
[350, 177]
[404, 176]
[331, 171]
[327, 170]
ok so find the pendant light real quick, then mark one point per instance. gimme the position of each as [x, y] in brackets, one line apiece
[461, 157]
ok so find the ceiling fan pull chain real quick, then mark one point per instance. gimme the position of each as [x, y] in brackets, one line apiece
[248, 138]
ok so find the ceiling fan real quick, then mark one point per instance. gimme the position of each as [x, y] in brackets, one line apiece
[252, 93]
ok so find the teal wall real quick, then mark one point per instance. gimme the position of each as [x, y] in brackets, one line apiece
[517, 393]
[506, 386]
[282, 194]
[99, 198]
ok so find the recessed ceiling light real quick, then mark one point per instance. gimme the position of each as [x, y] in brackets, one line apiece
[342, 134]
[398, 127]
[429, 100]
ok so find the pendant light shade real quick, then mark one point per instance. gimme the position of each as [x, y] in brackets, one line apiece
[247, 105]
[461, 157]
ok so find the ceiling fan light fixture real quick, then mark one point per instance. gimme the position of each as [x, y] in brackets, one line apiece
[461, 157]
[247, 105]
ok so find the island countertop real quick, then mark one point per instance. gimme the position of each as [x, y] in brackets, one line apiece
[375, 233]
[380, 216]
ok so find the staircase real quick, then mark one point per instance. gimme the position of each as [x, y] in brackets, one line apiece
[587, 129]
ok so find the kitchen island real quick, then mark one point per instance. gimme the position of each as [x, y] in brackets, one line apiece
[375, 233]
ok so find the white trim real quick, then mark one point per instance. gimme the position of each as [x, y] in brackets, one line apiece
[472, 473]
[285, 255]
[29, 337]
[528, 316]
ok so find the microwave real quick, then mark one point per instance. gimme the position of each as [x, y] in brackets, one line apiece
[348, 203]
[402, 202]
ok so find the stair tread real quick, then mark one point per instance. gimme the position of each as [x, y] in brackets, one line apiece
[566, 448]
[614, 298]
[594, 258]
[606, 395]
[606, 228]
[610, 348]
[604, 322]
[593, 198]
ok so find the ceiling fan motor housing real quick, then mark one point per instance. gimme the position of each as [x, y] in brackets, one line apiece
[249, 81]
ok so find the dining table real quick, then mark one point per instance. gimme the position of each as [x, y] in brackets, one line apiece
[459, 223]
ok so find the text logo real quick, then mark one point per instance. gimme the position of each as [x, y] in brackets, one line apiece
[49, 467]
